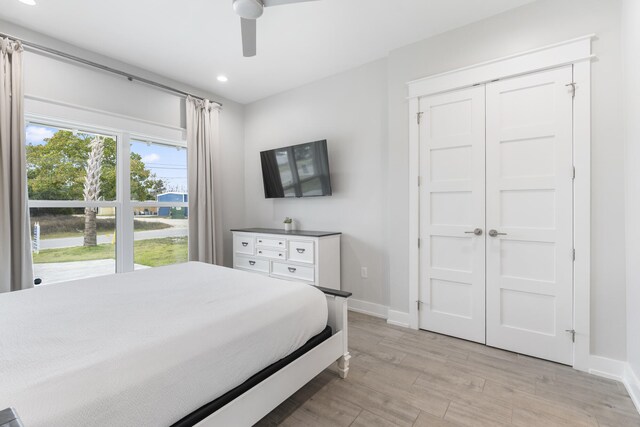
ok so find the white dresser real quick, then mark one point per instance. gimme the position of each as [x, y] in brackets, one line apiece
[305, 256]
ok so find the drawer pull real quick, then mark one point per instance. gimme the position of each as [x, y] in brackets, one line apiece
[279, 254]
[245, 243]
[259, 241]
[252, 263]
[292, 269]
[259, 252]
[280, 243]
[300, 250]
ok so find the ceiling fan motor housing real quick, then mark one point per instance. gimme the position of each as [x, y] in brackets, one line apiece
[248, 9]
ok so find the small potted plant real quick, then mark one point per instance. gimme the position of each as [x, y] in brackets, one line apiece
[288, 224]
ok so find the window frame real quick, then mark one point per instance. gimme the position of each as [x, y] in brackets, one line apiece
[123, 205]
[129, 205]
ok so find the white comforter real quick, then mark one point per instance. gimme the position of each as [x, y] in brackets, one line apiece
[145, 348]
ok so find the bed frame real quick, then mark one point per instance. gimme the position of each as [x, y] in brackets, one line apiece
[258, 401]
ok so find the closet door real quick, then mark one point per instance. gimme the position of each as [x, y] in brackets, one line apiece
[529, 215]
[452, 263]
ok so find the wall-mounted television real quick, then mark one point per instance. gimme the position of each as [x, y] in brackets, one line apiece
[296, 171]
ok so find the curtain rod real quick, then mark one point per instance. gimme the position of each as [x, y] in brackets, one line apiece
[129, 77]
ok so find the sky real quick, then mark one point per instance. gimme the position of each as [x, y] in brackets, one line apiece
[166, 162]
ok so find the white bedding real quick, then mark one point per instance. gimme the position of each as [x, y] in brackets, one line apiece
[146, 348]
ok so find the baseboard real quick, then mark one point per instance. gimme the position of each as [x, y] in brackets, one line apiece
[370, 308]
[607, 368]
[619, 371]
[398, 318]
[632, 384]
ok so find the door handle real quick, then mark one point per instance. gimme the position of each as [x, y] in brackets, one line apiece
[477, 232]
[494, 233]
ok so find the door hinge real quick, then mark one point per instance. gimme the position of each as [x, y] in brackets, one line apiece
[574, 254]
[573, 89]
[573, 334]
[418, 180]
[419, 116]
[418, 243]
[574, 173]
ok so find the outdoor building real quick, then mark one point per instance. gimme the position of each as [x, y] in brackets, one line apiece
[173, 212]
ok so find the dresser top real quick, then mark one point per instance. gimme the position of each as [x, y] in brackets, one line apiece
[305, 233]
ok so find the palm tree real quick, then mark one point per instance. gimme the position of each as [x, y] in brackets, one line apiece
[92, 189]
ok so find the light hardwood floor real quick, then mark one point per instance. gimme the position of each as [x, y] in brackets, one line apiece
[401, 377]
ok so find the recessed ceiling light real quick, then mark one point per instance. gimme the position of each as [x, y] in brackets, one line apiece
[222, 78]
[28, 2]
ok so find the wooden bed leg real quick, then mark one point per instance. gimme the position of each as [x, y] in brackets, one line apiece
[343, 365]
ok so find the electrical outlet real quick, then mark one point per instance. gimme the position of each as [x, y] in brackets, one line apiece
[364, 273]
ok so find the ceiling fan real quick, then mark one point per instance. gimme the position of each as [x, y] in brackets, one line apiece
[249, 11]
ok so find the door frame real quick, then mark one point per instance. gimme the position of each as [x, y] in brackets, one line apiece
[576, 52]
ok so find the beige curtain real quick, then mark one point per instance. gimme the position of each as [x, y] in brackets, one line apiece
[15, 244]
[202, 142]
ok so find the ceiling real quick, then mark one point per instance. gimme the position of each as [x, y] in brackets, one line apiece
[193, 41]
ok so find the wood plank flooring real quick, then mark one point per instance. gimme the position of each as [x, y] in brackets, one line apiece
[402, 377]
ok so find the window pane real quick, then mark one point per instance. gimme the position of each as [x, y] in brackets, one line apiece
[72, 243]
[160, 236]
[64, 164]
[158, 170]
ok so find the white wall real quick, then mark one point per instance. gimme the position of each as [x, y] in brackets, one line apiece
[349, 110]
[537, 24]
[55, 79]
[631, 44]
[363, 114]
[345, 107]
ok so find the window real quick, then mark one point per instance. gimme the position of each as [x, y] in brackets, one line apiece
[159, 178]
[87, 219]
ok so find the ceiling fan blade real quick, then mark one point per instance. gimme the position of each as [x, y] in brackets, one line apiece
[268, 3]
[248, 27]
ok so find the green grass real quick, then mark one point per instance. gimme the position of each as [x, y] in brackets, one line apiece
[77, 253]
[151, 252]
[157, 252]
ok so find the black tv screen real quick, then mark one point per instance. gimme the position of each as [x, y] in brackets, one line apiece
[296, 171]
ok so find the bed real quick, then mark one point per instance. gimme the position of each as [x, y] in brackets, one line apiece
[156, 346]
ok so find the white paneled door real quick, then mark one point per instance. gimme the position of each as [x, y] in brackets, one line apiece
[496, 214]
[530, 210]
[452, 273]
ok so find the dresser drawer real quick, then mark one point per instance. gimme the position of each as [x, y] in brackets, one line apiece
[293, 271]
[271, 242]
[246, 263]
[301, 251]
[271, 253]
[243, 245]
